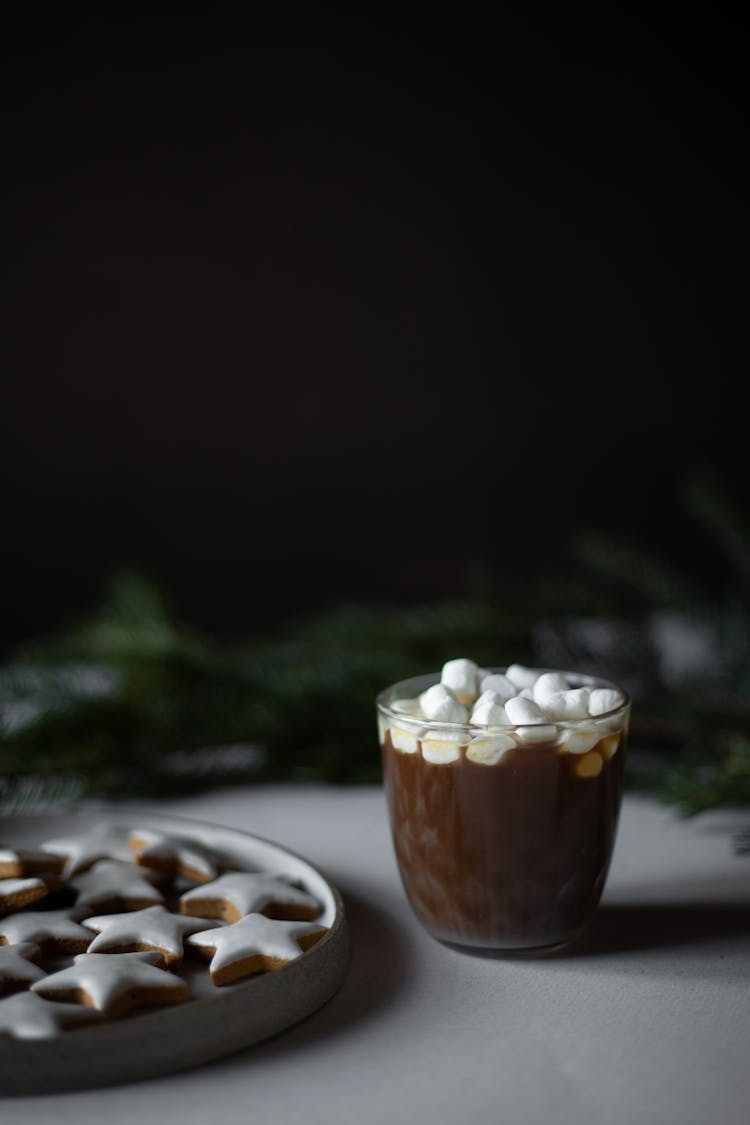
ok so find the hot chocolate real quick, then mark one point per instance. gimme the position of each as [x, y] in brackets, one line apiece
[504, 830]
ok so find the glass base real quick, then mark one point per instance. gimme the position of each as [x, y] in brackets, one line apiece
[512, 951]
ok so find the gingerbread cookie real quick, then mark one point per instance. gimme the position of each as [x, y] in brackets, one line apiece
[237, 893]
[253, 944]
[54, 931]
[27, 1016]
[154, 929]
[15, 864]
[15, 893]
[112, 885]
[114, 983]
[172, 855]
[81, 852]
[17, 966]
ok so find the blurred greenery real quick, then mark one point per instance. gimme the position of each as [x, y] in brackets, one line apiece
[131, 701]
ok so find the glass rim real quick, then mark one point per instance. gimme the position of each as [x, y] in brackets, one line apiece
[585, 679]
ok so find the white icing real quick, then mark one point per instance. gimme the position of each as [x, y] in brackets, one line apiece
[183, 855]
[17, 962]
[154, 926]
[43, 927]
[18, 861]
[107, 978]
[109, 880]
[27, 1016]
[83, 850]
[9, 888]
[248, 892]
[253, 935]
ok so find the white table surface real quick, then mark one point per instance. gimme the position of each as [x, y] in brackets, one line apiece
[649, 1021]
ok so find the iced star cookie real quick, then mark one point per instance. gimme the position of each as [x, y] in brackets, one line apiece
[253, 944]
[27, 1016]
[54, 931]
[81, 852]
[16, 864]
[237, 893]
[113, 885]
[113, 983]
[154, 929]
[172, 855]
[17, 967]
[15, 893]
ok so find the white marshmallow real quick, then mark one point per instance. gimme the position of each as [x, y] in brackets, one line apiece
[580, 739]
[406, 741]
[382, 728]
[439, 703]
[549, 683]
[530, 720]
[462, 677]
[489, 711]
[489, 751]
[526, 693]
[571, 704]
[602, 700]
[521, 676]
[497, 682]
[407, 706]
[441, 747]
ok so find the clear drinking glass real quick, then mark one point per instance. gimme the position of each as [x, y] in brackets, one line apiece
[503, 835]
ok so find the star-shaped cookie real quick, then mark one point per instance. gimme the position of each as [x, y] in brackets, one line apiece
[253, 944]
[15, 893]
[19, 862]
[173, 855]
[80, 852]
[54, 931]
[237, 893]
[27, 1016]
[17, 968]
[154, 928]
[113, 885]
[113, 983]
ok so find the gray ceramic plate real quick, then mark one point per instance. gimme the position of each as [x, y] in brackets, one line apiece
[214, 1022]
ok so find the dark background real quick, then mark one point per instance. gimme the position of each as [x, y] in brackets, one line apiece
[296, 313]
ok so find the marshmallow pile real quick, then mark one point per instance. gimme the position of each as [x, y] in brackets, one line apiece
[533, 707]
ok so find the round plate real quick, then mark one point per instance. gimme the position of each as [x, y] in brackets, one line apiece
[215, 1021]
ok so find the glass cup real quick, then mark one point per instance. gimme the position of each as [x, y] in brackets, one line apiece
[503, 835]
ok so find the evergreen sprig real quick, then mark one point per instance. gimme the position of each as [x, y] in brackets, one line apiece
[130, 701]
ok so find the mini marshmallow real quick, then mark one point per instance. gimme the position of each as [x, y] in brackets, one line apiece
[489, 751]
[602, 700]
[489, 711]
[608, 746]
[440, 704]
[406, 741]
[590, 765]
[530, 720]
[549, 683]
[580, 739]
[500, 684]
[441, 747]
[408, 706]
[521, 676]
[571, 704]
[462, 677]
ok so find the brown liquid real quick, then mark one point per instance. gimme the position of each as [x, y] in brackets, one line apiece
[512, 855]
